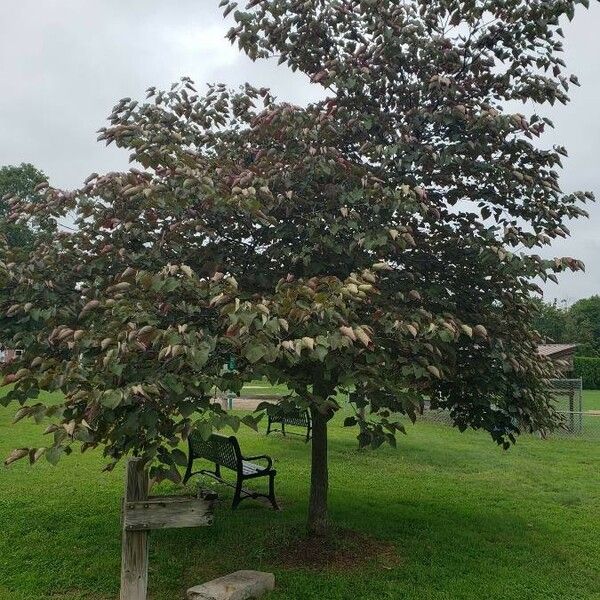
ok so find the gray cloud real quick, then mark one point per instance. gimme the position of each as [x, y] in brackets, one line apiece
[66, 62]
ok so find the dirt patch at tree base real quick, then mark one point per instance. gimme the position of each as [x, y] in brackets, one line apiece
[340, 550]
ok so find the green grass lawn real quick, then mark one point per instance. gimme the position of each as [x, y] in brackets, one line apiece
[261, 387]
[591, 400]
[465, 519]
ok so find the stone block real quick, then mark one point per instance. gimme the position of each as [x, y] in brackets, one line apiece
[240, 585]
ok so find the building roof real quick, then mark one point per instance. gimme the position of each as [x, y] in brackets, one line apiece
[556, 350]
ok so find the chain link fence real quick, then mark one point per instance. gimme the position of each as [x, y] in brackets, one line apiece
[579, 421]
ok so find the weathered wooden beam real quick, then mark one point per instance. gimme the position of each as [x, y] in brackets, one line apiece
[142, 514]
[166, 513]
[134, 557]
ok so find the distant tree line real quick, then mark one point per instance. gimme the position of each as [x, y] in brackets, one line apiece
[21, 182]
[578, 323]
[17, 181]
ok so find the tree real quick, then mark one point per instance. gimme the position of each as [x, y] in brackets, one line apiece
[22, 182]
[585, 314]
[568, 324]
[371, 241]
[551, 321]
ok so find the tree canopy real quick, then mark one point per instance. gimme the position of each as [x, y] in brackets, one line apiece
[382, 240]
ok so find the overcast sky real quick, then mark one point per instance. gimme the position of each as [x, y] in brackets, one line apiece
[65, 63]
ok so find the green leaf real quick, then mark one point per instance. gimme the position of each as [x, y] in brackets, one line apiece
[320, 353]
[179, 457]
[204, 429]
[254, 353]
[111, 398]
[53, 454]
[251, 421]
[364, 438]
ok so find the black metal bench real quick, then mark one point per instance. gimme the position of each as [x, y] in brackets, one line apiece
[225, 452]
[296, 418]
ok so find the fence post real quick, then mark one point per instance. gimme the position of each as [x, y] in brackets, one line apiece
[134, 554]
[572, 407]
[580, 406]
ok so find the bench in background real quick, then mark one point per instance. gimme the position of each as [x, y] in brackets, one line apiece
[297, 418]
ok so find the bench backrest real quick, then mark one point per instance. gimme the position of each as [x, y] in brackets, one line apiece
[299, 418]
[221, 450]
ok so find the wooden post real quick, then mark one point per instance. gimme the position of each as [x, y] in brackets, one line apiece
[134, 556]
[140, 515]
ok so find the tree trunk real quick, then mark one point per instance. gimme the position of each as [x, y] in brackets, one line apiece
[319, 476]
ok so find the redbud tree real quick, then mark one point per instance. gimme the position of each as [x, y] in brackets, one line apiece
[383, 240]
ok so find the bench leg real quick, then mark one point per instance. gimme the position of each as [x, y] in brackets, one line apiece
[272, 492]
[283, 427]
[308, 432]
[188, 473]
[237, 498]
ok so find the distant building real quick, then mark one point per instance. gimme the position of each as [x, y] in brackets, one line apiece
[561, 354]
[8, 354]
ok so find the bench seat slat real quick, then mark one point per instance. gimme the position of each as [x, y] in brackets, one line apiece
[251, 468]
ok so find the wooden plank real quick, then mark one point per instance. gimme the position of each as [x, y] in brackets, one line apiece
[134, 556]
[167, 513]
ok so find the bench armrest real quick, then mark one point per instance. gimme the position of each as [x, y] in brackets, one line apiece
[261, 457]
